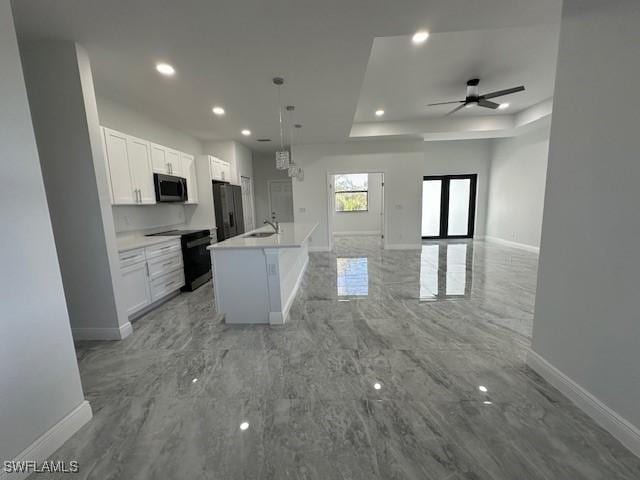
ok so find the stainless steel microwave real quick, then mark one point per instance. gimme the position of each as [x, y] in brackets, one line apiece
[170, 188]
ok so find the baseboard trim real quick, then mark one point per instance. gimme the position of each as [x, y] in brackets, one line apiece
[403, 246]
[357, 233]
[627, 433]
[119, 333]
[52, 439]
[509, 243]
[319, 249]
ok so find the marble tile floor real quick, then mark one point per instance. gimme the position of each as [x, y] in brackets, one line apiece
[393, 365]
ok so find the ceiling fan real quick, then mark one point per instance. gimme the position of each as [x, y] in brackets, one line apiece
[474, 98]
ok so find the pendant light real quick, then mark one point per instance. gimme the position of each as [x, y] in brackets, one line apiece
[293, 171]
[282, 155]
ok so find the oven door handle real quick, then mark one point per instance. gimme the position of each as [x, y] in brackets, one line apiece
[198, 242]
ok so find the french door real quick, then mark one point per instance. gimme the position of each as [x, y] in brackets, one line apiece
[448, 206]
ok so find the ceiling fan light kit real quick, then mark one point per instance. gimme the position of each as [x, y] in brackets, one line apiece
[473, 97]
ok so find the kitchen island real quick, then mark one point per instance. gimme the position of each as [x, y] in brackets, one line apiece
[256, 275]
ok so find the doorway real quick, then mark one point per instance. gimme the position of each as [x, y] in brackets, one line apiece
[281, 200]
[448, 206]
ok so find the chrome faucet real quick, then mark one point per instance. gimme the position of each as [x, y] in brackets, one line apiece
[274, 223]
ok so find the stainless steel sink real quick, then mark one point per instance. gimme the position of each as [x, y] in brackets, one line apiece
[260, 234]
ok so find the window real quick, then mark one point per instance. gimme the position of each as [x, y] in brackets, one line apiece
[352, 192]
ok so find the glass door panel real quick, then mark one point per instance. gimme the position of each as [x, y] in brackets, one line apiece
[431, 207]
[459, 191]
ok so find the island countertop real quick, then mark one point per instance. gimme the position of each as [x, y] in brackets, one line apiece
[292, 235]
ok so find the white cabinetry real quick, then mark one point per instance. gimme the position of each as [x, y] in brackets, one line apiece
[165, 160]
[219, 169]
[129, 166]
[151, 273]
[189, 172]
[136, 291]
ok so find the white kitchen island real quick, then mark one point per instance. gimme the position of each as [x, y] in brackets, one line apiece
[255, 279]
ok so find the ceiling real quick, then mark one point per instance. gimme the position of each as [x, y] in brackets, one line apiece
[403, 78]
[226, 52]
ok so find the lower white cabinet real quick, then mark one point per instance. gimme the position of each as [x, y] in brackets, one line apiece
[150, 274]
[137, 294]
[164, 285]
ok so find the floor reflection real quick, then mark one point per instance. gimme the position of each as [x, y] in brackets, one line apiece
[352, 277]
[445, 270]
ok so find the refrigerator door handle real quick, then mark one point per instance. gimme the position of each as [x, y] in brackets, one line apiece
[231, 224]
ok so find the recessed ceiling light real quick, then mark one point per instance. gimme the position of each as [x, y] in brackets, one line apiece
[379, 113]
[165, 69]
[502, 106]
[483, 389]
[246, 132]
[195, 380]
[218, 110]
[377, 386]
[420, 37]
[244, 425]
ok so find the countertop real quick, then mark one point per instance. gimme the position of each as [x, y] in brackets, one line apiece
[292, 235]
[138, 239]
[131, 242]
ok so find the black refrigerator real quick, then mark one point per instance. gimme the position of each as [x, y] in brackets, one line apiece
[227, 205]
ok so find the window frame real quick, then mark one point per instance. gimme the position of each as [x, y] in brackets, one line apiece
[336, 192]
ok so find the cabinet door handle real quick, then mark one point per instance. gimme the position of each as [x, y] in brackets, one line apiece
[147, 265]
[166, 264]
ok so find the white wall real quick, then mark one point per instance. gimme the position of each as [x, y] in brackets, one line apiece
[517, 181]
[264, 169]
[586, 317]
[368, 222]
[119, 117]
[404, 163]
[65, 119]
[139, 217]
[40, 380]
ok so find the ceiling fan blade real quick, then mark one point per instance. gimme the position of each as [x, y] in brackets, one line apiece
[445, 103]
[487, 104]
[456, 109]
[500, 93]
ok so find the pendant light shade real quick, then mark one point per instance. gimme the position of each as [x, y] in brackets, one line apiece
[282, 155]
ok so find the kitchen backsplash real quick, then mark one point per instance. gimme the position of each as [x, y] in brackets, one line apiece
[141, 217]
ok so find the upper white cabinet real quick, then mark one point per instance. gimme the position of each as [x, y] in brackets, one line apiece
[129, 166]
[189, 172]
[220, 170]
[141, 171]
[165, 160]
[122, 191]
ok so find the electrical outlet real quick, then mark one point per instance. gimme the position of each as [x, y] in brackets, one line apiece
[302, 210]
[399, 206]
